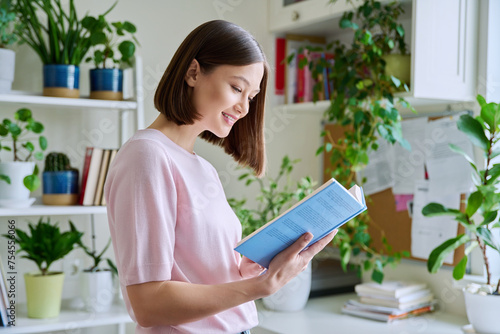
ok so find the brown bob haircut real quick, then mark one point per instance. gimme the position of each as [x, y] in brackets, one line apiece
[212, 44]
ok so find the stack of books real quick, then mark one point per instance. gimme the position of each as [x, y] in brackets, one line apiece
[390, 300]
[95, 169]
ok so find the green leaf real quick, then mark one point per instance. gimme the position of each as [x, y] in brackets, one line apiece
[23, 115]
[436, 209]
[473, 129]
[473, 203]
[485, 234]
[437, 256]
[98, 38]
[38, 156]
[328, 147]
[32, 182]
[37, 127]
[129, 27]
[396, 81]
[494, 173]
[377, 276]
[5, 178]
[489, 217]
[459, 270]
[42, 141]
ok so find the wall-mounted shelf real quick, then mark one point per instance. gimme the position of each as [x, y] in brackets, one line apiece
[21, 97]
[52, 210]
[68, 320]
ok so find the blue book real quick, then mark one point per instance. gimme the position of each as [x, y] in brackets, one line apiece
[327, 208]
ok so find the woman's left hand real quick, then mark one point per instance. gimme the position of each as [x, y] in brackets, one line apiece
[249, 269]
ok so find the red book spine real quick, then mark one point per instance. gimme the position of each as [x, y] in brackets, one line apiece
[85, 173]
[280, 66]
[301, 89]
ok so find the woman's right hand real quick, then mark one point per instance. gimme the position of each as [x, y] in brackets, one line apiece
[292, 261]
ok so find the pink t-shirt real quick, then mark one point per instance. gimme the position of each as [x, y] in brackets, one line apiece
[170, 220]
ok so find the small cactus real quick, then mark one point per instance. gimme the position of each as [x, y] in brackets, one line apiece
[56, 162]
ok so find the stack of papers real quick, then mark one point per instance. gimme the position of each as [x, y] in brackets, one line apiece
[390, 300]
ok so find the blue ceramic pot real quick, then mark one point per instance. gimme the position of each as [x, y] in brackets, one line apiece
[109, 79]
[63, 182]
[62, 76]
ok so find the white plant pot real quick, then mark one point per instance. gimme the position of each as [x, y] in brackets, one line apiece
[15, 192]
[97, 290]
[483, 312]
[293, 296]
[7, 65]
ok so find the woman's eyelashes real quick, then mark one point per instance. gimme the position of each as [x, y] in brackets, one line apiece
[238, 90]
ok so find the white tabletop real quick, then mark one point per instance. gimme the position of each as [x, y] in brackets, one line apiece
[322, 315]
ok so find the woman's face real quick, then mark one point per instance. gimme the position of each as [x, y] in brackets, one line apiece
[224, 95]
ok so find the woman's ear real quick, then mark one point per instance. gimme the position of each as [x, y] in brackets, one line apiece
[192, 73]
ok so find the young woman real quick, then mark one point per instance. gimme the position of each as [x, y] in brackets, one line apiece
[173, 231]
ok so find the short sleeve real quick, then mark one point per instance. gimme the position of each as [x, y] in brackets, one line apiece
[141, 201]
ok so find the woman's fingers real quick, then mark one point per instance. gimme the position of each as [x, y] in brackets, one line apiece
[320, 244]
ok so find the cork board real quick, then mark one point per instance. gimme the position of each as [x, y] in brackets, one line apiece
[382, 210]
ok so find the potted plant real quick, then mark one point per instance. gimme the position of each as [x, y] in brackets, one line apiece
[274, 199]
[106, 79]
[97, 282]
[60, 40]
[44, 244]
[7, 37]
[480, 218]
[20, 176]
[60, 180]
[365, 109]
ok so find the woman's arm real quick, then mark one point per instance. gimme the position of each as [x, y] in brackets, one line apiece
[174, 303]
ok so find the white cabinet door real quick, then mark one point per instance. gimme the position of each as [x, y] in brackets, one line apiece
[284, 18]
[444, 49]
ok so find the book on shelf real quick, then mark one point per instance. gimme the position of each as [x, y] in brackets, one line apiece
[410, 297]
[386, 314]
[112, 156]
[4, 297]
[394, 289]
[94, 174]
[327, 208]
[300, 85]
[396, 303]
[102, 175]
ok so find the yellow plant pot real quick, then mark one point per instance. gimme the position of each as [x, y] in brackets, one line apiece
[398, 66]
[43, 294]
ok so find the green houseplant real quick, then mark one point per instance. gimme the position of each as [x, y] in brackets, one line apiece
[20, 176]
[480, 216]
[60, 180]
[277, 195]
[364, 107]
[58, 37]
[107, 39]
[97, 282]
[8, 37]
[44, 244]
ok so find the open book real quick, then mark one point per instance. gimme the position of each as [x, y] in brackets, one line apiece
[327, 208]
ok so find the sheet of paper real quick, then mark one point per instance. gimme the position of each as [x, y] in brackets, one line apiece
[449, 171]
[409, 165]
[429, 232]
[379, 171]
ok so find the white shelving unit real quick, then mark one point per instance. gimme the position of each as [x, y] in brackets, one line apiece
[73, 319]
[45, 210]
[69, 320]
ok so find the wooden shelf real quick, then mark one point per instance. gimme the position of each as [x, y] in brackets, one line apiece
[52, 210]
[21, 97]
[67, 320]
